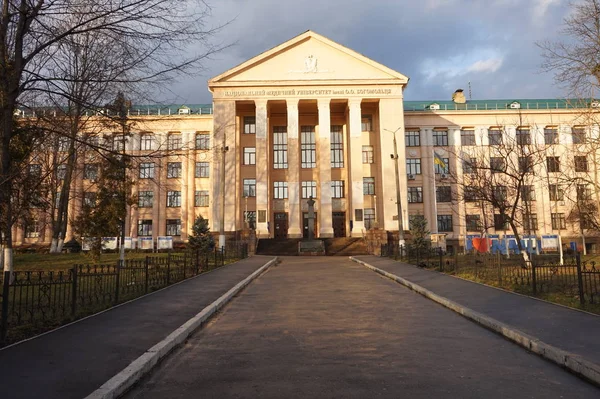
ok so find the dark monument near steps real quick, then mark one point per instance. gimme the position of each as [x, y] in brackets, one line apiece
[310, 246]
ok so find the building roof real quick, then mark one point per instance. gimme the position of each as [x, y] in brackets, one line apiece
[491, 105]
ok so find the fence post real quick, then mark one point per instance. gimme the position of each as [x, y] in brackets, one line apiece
[169, 268]
[580, 280]
[533, 278]
[4, 318]
[74, 291]
[118, 283]
[147, 267]
[184, 263]
[215, 256]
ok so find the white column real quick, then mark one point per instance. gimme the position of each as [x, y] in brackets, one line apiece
[262, 166]
[295, 226]
[356, 167]
[188, 140]
[324, 153]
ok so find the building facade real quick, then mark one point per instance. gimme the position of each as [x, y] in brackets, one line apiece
[311, 118]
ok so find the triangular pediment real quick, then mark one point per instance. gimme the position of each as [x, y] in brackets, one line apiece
[305, 58]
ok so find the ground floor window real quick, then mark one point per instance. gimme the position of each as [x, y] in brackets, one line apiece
[173, 227]
[369, 218]
[145, 227]
[444, 223]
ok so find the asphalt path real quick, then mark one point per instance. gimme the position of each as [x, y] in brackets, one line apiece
[330, 328]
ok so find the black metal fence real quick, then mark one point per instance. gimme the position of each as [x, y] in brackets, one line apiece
[543, 275]
[34, 301]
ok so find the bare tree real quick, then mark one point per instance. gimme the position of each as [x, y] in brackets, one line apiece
[158, 39]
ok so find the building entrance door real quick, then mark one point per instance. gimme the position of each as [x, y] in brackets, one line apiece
[281, 225]
[339, 224]
[305, 225]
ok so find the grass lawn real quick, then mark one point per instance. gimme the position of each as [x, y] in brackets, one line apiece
[46, 262]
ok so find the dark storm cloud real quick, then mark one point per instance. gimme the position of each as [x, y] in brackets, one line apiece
[440, 44]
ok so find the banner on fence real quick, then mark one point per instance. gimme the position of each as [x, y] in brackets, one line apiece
[86, 243]
[165, 243]
[130, 243]
[109, 243]
[145, 243]
[550, 242]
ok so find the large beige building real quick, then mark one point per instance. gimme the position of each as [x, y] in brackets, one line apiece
[311, 118]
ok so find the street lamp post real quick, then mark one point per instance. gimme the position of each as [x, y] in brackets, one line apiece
[224, 150]
[398, 194]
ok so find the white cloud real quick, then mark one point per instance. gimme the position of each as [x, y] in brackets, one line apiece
[490, 65]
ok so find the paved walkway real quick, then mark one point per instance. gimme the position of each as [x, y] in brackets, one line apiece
[330, 328]
[567, 329]
[74, 361]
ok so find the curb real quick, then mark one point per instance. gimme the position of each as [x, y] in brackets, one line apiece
[574, 363]
[123, 380]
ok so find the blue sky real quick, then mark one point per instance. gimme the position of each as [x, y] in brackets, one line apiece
[440, 44]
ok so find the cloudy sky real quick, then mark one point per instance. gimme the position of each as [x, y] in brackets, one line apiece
[440, 44]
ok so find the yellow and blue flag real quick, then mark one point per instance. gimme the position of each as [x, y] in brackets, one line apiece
[438, 160]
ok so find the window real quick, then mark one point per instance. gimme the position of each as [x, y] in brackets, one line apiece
[369, 218]
[443, 194]
[173, 170]
[280, 147]
[557, 193]
[525, 165]
[32, 229]
[90, 171]
[581, 164]
[144, 227]
[439, 169]
[366, 123]
[89, 199]
[412, 138]
[499, 194]
[444, 223]
[35, 170]
[147, 170]
[173, 227]
[249, 187]
[413, 166]
[500, 221]
[440, 137]
[249, 125]
[308, 147]
[469, 166]
[202, 169]
[471, 194]
[528, 193]
[174, 142]
[497, 164]
[147, 142]
[203, 141]
[467, 137]
[584, 193]
[173, 199]
[61, 172]
[368, 186]
[337, 147]
[551, 135]
[553, 164]
[578, 134]
[93, 141]
[558, 221]
[201, 198]
[249, 155]
[145, 199]
[473, 222]
[280, 190]
[530, 222]
[118, 144]
[63, 144]
[415, 195]
[523, 136]
[367, 154]
[337, 189]
[309, 189]
[495, 136]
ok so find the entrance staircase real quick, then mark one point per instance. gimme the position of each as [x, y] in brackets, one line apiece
[344, 246]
